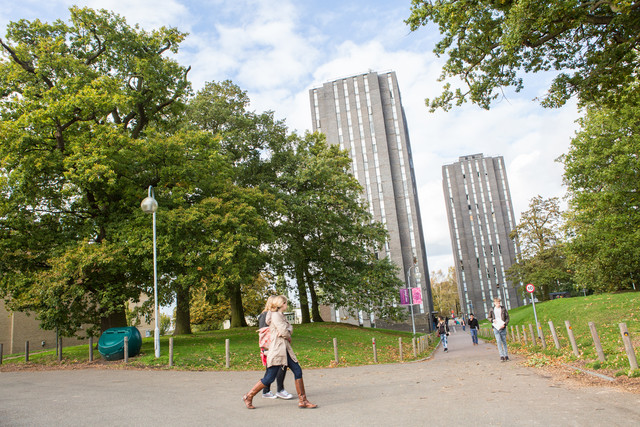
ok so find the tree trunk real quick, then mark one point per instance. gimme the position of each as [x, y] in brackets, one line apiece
[315, 311]
[113, 320]
[237, 311]
[302, 294]
[183, 312]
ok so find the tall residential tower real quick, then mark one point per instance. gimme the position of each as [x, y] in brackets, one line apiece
[364, 115]
[480, 219]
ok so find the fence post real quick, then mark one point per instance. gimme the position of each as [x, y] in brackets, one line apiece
[227, 353]
[170, 351]
[533, 336]
[335, 350]
[517, 334]
[26, 351]
[596, 341]
[541, 336]
[126, 349]
[628, 346]
[400, 346]
[572, 339]
[375, 350]
[59, 344]
[524, 335]
[1, 353]
[556, 341]
[90, 349]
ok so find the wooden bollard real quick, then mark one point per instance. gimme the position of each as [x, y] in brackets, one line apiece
[533, 336]
[415, 350]
[335, 350]
[170, 351]
[400, 347]
[554, 333]
[126, 349]
[375, 350]
[26, 351]
[596, 341]
[572, 338]
[59, 344]
[90, 349]
[541, 336]
[524, 335]
[1, 349]
[517, 334]
[511, 332]
[227, 354]
[628, 346]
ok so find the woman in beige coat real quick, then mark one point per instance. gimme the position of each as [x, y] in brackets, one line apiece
[280, 355]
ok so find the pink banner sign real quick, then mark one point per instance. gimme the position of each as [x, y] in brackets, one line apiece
[416, 293]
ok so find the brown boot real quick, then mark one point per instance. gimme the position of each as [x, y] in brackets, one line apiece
[303, 403]
[248, 398]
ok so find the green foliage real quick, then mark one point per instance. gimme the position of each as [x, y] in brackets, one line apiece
[592, 44]
[445, 291]
[164, 324]
[312, 343]
[602, 172]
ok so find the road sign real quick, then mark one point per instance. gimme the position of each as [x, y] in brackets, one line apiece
[530, 288]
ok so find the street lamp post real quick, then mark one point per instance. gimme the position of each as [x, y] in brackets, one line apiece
[150, 205]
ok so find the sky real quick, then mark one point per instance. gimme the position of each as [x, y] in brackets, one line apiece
[277, 50]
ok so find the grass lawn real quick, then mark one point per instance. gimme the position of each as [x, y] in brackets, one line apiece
[606, 311]
[312, 343]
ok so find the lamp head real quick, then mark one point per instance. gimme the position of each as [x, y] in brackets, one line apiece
[149, 205]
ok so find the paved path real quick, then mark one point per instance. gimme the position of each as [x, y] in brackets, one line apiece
[466, 386]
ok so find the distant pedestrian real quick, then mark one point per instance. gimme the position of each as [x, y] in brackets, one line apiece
[499, 318]
[443, 332]
[280, 354]
[266, 391]
[473, 328]
[463, 323]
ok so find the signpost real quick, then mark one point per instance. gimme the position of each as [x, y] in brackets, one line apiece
[530, 288]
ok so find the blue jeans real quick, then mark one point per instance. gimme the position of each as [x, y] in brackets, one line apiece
[272, 371]
[501, 340]
[474, 335]
[443, 340]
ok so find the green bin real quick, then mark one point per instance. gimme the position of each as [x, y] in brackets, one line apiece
[111, 342]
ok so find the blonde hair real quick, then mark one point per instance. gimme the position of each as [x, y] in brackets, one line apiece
[267, 306]
[277, 302]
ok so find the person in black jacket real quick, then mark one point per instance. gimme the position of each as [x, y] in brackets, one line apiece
[443, 331]
[473, 328]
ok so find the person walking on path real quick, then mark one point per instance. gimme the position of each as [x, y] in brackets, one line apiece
[473, 328]
[266, 391]
[280, 355]
[499, 318]
[443, 331]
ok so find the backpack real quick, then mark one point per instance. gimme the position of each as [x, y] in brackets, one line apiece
[264, 337]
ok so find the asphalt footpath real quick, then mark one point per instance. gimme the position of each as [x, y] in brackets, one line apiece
[468, 385]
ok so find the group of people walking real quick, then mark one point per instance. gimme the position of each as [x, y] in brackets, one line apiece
[499, 318]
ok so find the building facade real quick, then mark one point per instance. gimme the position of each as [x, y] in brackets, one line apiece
[363, 114]
[481, 217]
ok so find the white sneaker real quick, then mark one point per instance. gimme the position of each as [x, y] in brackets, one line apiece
[284, 394]
[269, 395]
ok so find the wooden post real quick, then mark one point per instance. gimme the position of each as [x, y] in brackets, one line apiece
[126, 349]
[227, 353]
[415, 350]
[554, 333]
[170, 351]
[90, 349]
[59, 344]
[572, 339]
[533, 336]
[517, 333]
[26, 351]
[541, 336]
[375, 351]
[400, 346]
[1, 353]
[596, 341]
[628, 346]
[335, 350]
[524, 335]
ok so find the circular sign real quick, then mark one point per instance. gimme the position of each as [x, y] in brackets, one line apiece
[530, 288]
